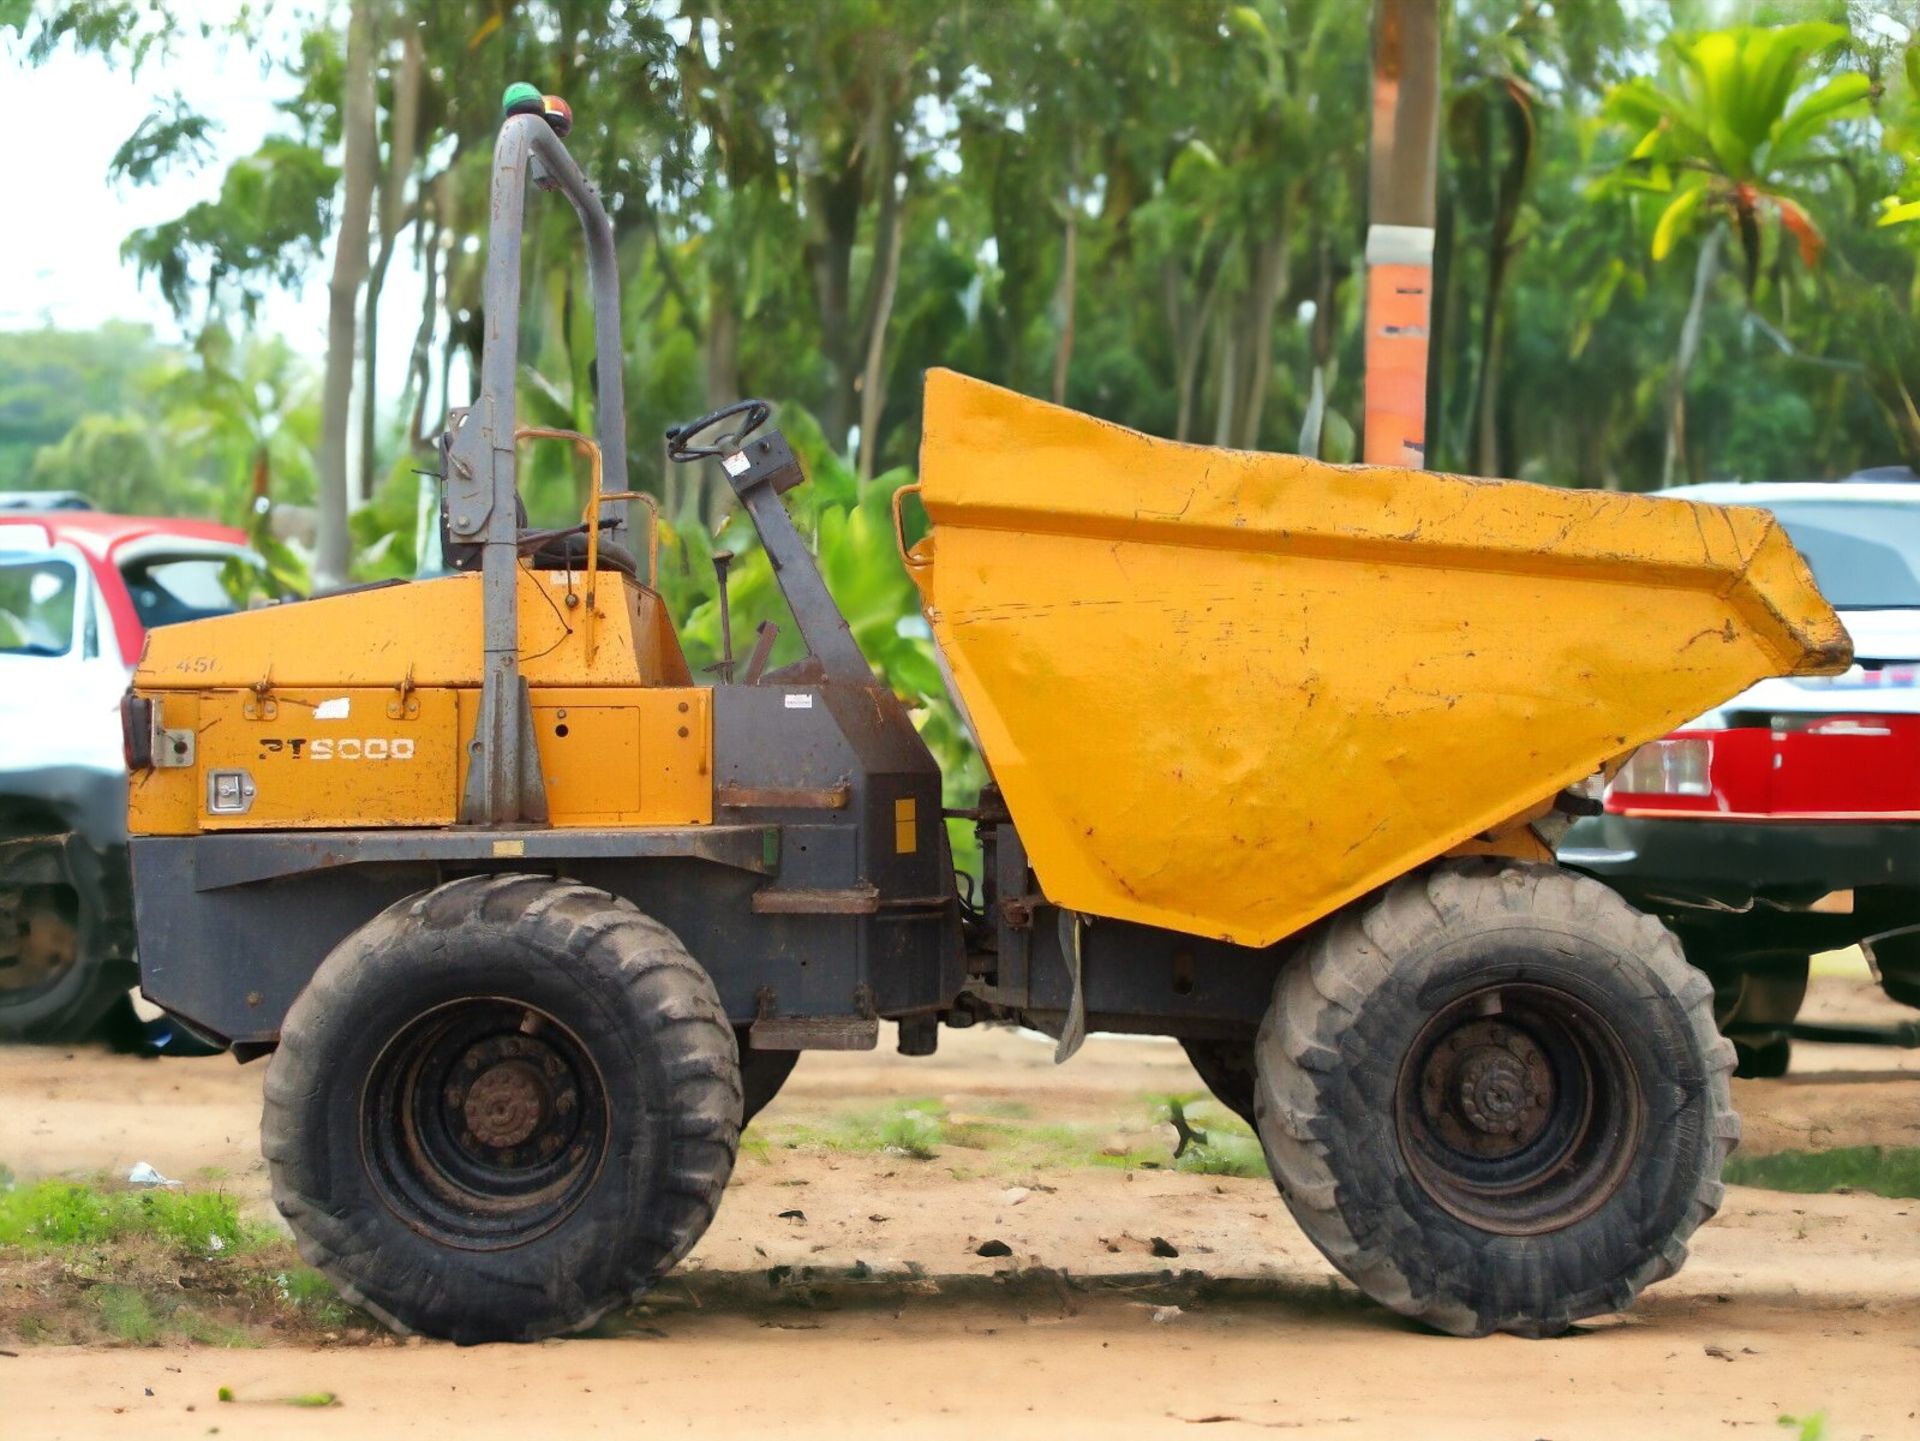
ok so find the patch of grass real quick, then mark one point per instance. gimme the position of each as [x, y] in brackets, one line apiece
[1004, 1110]
[1807, 1428]
[84, 1263]
[1224, 1154]
[1219, 1143]
[305, 1290]
[49, 1214]
[126, 1315]
[915, 1128]
[1877, 1170]
[918, 1134]
[1004, 1141]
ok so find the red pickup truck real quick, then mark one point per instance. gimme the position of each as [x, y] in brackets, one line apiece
[1787, 820]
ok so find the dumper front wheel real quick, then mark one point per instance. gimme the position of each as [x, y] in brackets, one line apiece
[1495, 1098]
[501, 1108]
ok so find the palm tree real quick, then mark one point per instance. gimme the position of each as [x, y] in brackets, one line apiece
[1733, 116]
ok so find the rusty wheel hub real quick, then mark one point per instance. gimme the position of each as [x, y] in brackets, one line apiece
[506, 1105]
[38, 937]
[1517, 1109]
[487, 1122]
[1488, 1090]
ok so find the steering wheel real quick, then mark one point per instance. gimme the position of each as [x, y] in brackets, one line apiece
[755, 414]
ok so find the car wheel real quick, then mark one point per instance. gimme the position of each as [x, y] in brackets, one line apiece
[1755, 998]
[1896, 960]
[55, 986]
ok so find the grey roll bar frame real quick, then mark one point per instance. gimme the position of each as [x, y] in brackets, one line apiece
[504, 783]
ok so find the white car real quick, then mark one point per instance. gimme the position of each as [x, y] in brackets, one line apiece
[78, 592]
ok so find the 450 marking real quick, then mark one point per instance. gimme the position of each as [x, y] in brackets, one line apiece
[340, 748]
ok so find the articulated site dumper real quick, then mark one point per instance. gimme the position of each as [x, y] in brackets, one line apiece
[530, 922]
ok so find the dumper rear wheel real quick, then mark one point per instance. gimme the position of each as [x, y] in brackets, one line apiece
[1495, 1097]
[501, 1108]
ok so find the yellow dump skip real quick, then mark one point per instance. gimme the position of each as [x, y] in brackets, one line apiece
[1227, 692]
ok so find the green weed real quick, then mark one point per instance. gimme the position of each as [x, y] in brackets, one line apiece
[914, 1133]
[307, 1291]
[126, 1315]
[47, 1214]
[1878, 1170]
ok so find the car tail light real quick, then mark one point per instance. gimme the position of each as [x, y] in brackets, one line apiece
[1677, 766]
[1808, 767]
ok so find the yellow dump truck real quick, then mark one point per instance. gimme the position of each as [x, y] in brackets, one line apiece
[529, 920]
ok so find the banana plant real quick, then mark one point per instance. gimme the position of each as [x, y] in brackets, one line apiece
[1735, 116]
[848, 523]
[1733, 119]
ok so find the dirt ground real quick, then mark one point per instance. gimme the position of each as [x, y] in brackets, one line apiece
[1792, 1305]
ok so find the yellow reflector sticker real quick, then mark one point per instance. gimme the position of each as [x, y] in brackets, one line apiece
[509, 848]
[906, 834]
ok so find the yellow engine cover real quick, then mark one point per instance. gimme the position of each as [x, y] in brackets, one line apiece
[354, 711]
[1227, 692]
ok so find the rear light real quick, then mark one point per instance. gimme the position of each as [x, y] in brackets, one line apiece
[136, 731]
[1678, 766]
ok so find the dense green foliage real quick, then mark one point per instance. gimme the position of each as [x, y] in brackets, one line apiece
[1154, 213]
[1669, 246]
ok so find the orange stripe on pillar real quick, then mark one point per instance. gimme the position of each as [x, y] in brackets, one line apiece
[1399, 283]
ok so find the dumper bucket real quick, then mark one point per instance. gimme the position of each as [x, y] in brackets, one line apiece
[1226, 692]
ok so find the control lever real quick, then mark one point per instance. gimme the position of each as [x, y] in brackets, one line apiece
[724, 666]
[765, 634]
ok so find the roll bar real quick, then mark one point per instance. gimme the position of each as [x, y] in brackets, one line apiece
[504, 784]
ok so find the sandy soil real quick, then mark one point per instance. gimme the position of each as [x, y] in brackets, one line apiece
[885, 1320]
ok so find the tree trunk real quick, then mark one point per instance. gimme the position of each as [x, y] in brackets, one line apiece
[722, 341]
[331, 555]
[400, 152]
[1189, 334]
[1223, 379]
[419, 367]
[1313, 423]
[1486, 440]
[1704, 271]
[1443, 449]
[1065, 299]
[873, 387]
[722, 354]
[834, 206]
[1269, 284]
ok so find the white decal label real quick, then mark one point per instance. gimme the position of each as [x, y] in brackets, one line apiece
[735, 463]
[335, 709]
[799, 702]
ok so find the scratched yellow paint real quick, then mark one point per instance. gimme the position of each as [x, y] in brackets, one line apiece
[356, 710]
[1227, 692]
